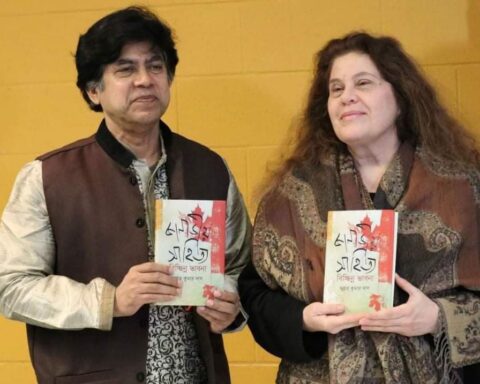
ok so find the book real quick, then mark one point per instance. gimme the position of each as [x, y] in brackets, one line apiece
[360, 258]
[190, 236]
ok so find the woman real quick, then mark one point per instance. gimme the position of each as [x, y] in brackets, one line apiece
[374, 136]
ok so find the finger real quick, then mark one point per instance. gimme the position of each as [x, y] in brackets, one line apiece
[405, 285]
[386, 314]
[216, 315]
[319, 309]
[169, 280]
[391, 329]
[206, 314]
[381, 322]
[223, 306]
[160, 278]
[226, 296]
[150, 298]
[158, 289]
[224, 301]
[153, 267]
[215, 326]
[337, 324]
[349, 320]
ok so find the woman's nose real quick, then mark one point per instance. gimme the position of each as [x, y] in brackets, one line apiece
[349, 95]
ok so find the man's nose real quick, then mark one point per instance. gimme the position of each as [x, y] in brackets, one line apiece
[143, 77]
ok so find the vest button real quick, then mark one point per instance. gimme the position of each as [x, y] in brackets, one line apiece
[140, 377]
[140, 223]
[133, 180]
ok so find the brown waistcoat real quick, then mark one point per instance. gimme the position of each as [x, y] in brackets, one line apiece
[98, 221]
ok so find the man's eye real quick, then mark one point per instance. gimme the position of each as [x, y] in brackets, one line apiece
[157, 67]
[125, 71]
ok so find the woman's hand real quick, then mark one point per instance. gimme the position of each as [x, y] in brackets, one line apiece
[328, 318]
[418, 316]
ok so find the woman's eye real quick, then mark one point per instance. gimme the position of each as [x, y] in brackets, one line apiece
[364, 82]
[336, 90]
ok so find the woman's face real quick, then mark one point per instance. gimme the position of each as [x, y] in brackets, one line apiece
[361, 104]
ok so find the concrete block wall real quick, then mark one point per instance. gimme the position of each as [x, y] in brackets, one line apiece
[245, 68]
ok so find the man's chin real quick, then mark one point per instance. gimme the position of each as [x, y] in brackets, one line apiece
[147, 117]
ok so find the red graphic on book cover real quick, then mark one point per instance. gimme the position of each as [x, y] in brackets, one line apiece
[217, 237]
[208, 291]
[381, 240]
[209, 229]
[375, 302]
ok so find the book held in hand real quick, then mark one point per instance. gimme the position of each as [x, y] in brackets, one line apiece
[360, 259]
[190, 236]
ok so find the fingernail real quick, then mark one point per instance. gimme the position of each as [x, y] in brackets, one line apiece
[210, 303]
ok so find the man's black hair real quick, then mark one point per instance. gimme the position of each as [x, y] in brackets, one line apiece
[103, 42]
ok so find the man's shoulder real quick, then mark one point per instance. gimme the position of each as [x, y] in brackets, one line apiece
[78, 144]
[191, 147]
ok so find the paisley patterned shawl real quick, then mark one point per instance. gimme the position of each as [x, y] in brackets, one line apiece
[437, 251]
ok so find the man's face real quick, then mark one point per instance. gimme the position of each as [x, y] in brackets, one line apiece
[135, 89]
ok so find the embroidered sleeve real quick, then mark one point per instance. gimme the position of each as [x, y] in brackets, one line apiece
[238, 245]
[29, 291]
[458, 338]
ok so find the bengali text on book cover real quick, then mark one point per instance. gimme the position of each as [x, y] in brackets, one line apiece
[360, 259]
[190, 236]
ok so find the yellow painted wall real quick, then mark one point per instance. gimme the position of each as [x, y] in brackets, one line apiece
[244, 71]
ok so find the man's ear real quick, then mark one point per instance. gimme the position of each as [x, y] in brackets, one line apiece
[93, 94]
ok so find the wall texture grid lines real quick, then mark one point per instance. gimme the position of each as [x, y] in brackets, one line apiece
[245, 67]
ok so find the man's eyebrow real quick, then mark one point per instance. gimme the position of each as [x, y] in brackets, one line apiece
[123, 61]
[156, 57]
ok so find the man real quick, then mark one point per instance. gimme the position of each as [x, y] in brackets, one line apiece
[76, 235]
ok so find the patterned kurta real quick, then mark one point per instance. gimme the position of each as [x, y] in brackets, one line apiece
[173, 355]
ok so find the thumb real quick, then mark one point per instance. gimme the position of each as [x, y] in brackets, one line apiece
[405, 285]
[330, 309]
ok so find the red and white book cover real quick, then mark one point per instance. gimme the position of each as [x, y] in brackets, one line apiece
[190, 236]
[360, 259]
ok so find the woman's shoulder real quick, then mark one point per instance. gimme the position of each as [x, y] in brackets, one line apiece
[451, 171]
[442, 166]
[299, 189]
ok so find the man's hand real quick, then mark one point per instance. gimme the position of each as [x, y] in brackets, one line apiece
[328, 317]
[418, 316]
[145, 284]
[221, 311]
